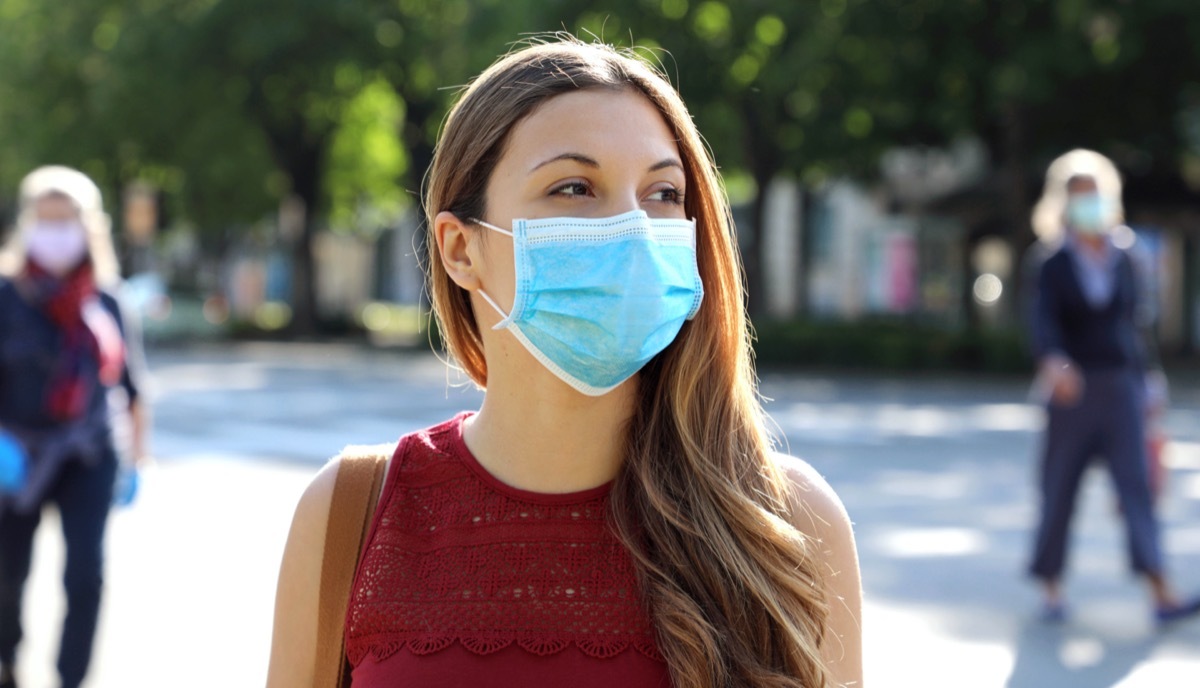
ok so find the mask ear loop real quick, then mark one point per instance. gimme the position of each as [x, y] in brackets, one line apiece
[496, 307]
[503, 323]
[491, 226]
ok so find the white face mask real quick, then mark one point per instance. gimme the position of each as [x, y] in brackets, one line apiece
[57, 247]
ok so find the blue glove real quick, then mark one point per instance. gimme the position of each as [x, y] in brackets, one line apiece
[12, 463]
[126, 488]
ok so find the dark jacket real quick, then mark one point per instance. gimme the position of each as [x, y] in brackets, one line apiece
[30, 348]
[1063, 321]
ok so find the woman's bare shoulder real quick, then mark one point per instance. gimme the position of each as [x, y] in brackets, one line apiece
[312, 511]
[816, 509]
[298, 589]
[313, 507]
[818, 513]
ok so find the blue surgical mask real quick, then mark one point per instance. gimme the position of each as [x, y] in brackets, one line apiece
[597, 298]
[1089, 213]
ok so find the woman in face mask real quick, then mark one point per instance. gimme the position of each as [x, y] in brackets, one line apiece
[614, 513]
[1094, 376]
[62, 348]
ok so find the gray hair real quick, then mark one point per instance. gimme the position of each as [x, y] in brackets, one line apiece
[1047, 218]
[85, 195]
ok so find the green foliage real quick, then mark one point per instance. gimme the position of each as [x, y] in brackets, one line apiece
[210, 96]
[367, 160]
[428, 50]
[229, 105]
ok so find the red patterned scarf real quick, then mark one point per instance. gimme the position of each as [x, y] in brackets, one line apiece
[72, 303]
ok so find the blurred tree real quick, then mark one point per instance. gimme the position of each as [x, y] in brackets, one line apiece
[367, 160]
[1033, 79]
[87, 84]
[429, 50]
[48, 61]
[822, 88]
[776, 87]
[289, 70]
[232, 106]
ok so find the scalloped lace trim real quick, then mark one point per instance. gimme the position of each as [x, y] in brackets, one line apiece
[380, 650]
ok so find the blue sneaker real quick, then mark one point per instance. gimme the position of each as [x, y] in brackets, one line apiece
[1166, 615]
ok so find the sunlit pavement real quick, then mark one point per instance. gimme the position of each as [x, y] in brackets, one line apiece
[936, 473]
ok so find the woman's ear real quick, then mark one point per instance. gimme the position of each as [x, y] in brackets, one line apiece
[454, 242]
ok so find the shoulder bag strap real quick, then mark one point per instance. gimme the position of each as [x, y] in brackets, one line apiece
[356, 491]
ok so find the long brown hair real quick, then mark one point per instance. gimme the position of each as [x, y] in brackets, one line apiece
[733, 589]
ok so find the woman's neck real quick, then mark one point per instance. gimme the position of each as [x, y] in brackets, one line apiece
[540, 435]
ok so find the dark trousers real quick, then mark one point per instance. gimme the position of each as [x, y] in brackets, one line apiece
[83, 495]
[1108, 423]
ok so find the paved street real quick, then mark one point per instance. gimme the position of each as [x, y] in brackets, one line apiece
[936, 473]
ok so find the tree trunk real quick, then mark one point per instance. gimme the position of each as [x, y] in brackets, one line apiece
[1191, 288]
[804, 260]
[299, 151]
[420, 154]
[305, 171]
[752, 255]
[966, 294]
[762, 158]
[1016, 202]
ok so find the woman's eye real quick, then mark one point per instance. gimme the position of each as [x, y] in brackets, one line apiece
[668, 195]
[572, 189]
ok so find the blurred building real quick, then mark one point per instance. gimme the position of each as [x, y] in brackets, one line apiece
[845, 251]
[934, 242]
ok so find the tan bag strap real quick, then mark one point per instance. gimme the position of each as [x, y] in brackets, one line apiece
[360, 477]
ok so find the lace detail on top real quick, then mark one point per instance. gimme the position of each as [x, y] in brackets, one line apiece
[455, 555]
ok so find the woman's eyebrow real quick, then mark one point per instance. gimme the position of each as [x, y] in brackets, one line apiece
[665, 163]
[577, 157]
[592, 162]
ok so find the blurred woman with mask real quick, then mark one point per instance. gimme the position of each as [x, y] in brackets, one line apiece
[1093, 374]
[63, 346]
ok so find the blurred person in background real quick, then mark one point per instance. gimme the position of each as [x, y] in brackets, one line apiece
[614, 514]
[64, 347]
[1094, 375]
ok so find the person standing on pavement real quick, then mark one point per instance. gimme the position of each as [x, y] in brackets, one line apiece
[1093, 375]
[613, 514]
[64, 346]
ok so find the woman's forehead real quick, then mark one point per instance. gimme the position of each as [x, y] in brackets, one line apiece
[55, 204]
[600, 122]
[1081, 183]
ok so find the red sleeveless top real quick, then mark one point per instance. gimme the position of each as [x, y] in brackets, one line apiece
[468, 581]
